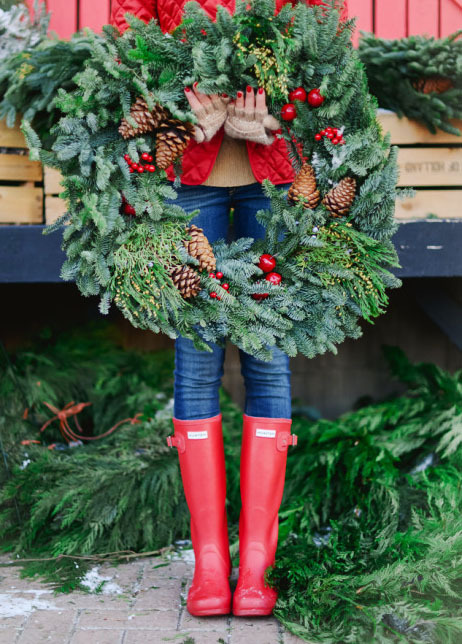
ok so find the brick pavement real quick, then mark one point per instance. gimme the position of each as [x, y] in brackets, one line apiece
[140, 603]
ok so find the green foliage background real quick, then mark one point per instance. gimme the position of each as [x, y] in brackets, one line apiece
[370, 542]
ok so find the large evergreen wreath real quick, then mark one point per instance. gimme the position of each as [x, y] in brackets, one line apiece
[329, 236]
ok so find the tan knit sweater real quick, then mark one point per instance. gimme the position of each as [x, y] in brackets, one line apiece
[232, 165]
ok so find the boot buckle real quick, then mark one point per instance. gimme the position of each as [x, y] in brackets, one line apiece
[177, 441]
[285, 439]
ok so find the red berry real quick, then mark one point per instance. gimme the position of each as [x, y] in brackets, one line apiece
[260, 296]
[219, 275]
[274, 278]
[288, 112]
[329, 129]
[315, 98]
[335, 140]
[212, 275]
[150, 158]
[266, 263]
[298, 94]
[213, 295]
[129, 210]
[342, 141]
[330, 135]
[218, 297]
[317, 137]
[140, 169]
[145, 156]
[150, 168]
[131, 170]
[134, 165]
[225, 286]
[127, 158]
[323, 132]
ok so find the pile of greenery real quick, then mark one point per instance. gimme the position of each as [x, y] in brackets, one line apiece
[370, 532]
[419, 77]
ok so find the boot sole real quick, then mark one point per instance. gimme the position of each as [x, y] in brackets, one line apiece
[251, 612]
[212, 611]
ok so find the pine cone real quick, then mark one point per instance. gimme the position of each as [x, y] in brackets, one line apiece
[186, 280]
[146, 119]
[338, 200]
[199, 248]
[172, 138]
[304, 185]
[436, 84]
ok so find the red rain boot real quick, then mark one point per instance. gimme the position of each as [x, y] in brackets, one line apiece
[263, 467]
[202, 465]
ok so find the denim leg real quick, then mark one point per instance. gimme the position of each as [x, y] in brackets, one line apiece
[267, 384]
[198, 374]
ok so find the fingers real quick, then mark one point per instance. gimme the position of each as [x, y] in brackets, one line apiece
[249, 104]
[194, 102]
[260, 102]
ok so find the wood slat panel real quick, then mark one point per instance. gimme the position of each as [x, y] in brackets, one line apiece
[17, 167]
[54, 208]
[94, 14]
[430, 166]
[21, 205]
[446, 204]
[390, 18]
[362, 10]
[52, 181]
[404, 130]
[451, 16]
[11, 137]
[63, 17]
[423, 17]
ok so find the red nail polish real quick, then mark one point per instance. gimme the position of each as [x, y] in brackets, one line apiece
[187, 89]
[196, 83]
[224, 95]
[260, 90]
[249, 89]
[240, 94]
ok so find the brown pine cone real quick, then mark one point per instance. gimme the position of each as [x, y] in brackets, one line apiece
[172, 138]
[436, 84]
[186, 280]
[199, 248]
[304, 185]
[146, 119]
[338, 200]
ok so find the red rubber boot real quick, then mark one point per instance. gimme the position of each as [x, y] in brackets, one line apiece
[202, 465]
[263, 467]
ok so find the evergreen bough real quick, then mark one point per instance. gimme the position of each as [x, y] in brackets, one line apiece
[321, 297]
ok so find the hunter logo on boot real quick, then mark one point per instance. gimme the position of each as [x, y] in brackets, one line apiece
[198, 435]
[265, 433]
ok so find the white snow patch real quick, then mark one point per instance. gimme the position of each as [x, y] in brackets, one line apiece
[94, 580]
[11, 606]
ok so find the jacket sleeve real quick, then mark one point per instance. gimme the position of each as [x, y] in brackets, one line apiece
[342, 5]
[143, 9]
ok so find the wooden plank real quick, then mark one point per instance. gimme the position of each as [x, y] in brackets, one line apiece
[11, 137]
[362, 10]
[404, 130]
[54, 208]
[63, 17]
[390, 18]
[423, 17]
[21, 205]
[94, 14]
[445, 204]
[17, 167]
[430, 166]
[450, 16]
[53, 180]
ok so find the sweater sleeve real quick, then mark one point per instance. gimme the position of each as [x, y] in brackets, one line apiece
[142, 9]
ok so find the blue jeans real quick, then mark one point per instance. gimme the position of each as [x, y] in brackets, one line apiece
[198, 374]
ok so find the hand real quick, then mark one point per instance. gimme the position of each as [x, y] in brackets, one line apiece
[210, 111]
[248, 118]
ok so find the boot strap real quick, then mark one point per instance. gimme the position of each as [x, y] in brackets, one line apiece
[177, 441]
[284, 439]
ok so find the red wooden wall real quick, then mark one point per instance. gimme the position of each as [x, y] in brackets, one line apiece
[387, 18]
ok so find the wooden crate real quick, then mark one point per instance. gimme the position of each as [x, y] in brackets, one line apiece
[430, 163]
[21, 193]
[54, 205]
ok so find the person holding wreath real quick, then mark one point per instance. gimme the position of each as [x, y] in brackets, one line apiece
[234, 149]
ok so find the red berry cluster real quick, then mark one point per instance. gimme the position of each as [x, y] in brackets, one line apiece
[313, 98]
[267, 263]
[127, 208]
[218, 276]
[138, 167]
[332, 133]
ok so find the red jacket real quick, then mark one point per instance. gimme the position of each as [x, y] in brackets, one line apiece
[267, 161]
